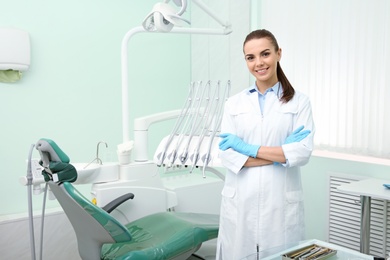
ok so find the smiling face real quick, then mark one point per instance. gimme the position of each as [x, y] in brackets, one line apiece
[262, 57]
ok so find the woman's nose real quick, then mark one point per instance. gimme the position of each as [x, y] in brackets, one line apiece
[259, 61]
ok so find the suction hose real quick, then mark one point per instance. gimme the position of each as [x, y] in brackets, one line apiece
[30, 209]
[43, 221]
[29, 199]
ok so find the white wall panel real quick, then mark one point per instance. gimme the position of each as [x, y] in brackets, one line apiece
[337, 52]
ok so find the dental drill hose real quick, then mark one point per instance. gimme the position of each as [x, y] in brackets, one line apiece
[30, 208]
[29, 198]
[43, 221]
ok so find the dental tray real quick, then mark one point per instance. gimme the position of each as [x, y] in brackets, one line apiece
[311, 252]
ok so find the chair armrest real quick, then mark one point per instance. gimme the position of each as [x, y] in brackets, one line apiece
[116, 202]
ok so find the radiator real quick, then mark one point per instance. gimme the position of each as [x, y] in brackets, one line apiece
[344, 218]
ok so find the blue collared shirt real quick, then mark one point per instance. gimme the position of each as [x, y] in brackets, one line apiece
[275, 89]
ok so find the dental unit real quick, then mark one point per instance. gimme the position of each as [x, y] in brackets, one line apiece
[192, 140]
[162, 235]
[177, 201]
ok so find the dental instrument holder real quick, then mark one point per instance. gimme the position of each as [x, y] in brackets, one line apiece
[193, 141]
[36, 188]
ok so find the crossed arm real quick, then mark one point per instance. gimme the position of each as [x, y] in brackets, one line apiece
[266, 155]
[260, 155]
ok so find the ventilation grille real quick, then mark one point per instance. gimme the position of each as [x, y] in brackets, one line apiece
[344, 219]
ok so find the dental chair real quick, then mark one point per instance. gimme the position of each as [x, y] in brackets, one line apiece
[164, 235]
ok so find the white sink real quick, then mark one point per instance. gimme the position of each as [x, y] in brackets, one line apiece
[85, 172]
[94, 172]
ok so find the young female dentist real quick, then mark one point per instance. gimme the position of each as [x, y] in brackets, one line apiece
[267, 134]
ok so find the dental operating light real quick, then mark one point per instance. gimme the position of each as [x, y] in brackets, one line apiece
[182, 3]
[163, 17]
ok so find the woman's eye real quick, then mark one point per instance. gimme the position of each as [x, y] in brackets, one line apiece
[249, 58]
[266, 54]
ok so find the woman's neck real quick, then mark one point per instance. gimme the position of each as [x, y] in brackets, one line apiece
[262, 86]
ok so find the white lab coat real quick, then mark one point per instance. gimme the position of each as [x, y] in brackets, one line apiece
[262, 207]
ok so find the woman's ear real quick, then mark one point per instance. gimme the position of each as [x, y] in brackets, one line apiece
[279, 54]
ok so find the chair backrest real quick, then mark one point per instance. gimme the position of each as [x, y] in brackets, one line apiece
[93, 226]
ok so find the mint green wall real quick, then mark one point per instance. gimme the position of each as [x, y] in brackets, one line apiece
[72, 91]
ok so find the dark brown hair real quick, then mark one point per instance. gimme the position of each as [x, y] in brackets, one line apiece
[288, 90]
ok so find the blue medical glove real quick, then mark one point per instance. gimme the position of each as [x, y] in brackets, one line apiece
[297, 135]
[237, 144]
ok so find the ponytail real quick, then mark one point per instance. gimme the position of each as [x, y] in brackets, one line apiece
[288, 90]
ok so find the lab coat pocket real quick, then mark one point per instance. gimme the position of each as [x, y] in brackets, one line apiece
[246, 119]
[228, 206]
[287, 111]
[228, 192]
[241, 112]
[290, 107]
[236, 107]
[294, 208]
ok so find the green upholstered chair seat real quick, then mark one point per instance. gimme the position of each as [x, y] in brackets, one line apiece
[164, 236]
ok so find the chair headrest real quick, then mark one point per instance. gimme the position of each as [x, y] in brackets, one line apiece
[55, 162]
[50, 151]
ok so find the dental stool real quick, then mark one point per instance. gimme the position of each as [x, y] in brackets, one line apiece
[164, 235]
